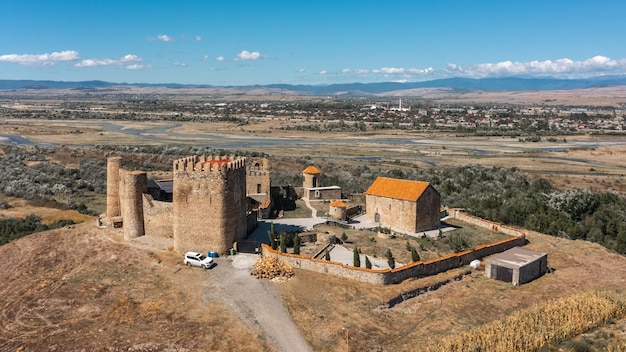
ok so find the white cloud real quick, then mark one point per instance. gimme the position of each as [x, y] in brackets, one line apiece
[205, 57]
[597, 64]
[178, 63]
[126, 59]
[323, 72]
[130, 58]
[301, 70]
[345, 70]
[40, 59]
[246, 55]
[198, 38]
[165, 38]
[219, 58]
[136, 67]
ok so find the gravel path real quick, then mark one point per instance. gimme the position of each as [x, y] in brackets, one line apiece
[255, 301]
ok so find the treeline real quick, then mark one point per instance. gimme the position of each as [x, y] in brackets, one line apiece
[12, 229]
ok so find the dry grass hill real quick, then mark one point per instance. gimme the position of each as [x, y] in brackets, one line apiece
[81, 288]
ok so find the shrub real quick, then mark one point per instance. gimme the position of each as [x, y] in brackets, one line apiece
[458, 242]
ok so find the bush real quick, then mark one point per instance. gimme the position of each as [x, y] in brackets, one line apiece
[458, 242]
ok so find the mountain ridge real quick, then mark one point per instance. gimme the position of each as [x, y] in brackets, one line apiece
[455, 84]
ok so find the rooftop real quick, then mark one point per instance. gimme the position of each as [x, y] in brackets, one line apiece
[337, 203]
[517, 256]
[398, 189]
[311, 170]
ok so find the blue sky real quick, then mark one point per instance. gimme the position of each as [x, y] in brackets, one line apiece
[308, 42]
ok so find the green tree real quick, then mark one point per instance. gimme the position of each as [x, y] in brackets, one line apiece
[272, 236]
[283, 242]
[415, 257]
[390, 259]
[296, 245]
[327, 255]
[344, 237]
[368, 263]
[357, 257]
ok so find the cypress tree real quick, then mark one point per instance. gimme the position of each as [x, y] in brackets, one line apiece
[327, 255]
[283, 242]
[415, 257]
[368, 264]
[296, 245]
[357, 257]
[390, 260]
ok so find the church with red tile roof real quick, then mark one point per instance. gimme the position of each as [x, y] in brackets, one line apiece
[405, 205]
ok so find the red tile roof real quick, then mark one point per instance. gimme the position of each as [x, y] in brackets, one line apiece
[397, 189]
[311, 170]
[337, 203]
[213, 162]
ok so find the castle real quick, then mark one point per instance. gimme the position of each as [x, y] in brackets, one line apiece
[210, 208]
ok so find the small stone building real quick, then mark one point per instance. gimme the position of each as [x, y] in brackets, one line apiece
[517, 265]
[337, 210]
[313, 190]
[404, 205]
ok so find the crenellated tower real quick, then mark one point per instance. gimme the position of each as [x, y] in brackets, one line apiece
[209, 203]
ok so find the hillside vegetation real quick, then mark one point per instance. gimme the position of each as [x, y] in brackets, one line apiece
[500, 194]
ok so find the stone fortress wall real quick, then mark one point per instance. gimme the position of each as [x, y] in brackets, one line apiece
[411, 270]
[124, 197]
[209, 203]
[258, 180]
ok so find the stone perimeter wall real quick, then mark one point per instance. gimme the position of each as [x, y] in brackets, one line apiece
[411, 270]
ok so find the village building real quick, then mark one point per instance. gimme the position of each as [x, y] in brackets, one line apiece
[403, 205]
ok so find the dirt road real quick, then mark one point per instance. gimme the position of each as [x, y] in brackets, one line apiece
[256, 302]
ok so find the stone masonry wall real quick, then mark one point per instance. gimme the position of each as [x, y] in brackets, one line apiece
[158, 217]
[209, 203]
[395, 213]
[114, 164]
[490, 225]
[428, 210]
[135, 184]
[397, 275]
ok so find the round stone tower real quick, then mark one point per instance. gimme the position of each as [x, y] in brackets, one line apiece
[135, 185]
[114, 165]
[209, 202]
[311, 177]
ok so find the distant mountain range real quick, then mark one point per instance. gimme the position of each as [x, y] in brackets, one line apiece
[356, 89]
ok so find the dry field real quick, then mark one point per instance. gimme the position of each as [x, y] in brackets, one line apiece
[324, 307]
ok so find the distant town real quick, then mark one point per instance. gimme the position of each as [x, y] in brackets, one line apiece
[335, 114]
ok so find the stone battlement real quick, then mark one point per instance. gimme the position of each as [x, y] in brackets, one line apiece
[210, 163]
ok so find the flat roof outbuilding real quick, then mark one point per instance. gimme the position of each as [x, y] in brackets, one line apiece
[517, 265]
